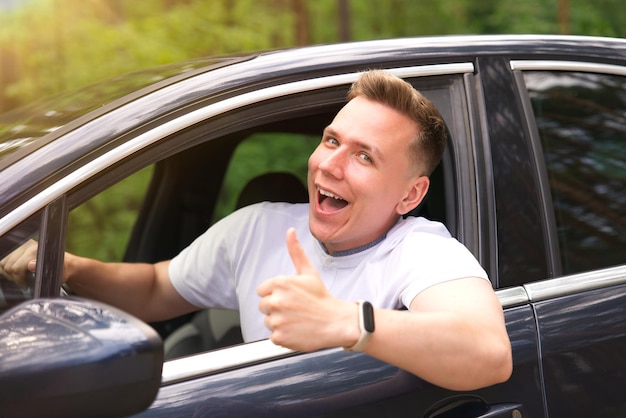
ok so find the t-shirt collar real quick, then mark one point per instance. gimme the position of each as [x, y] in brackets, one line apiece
[357, 249]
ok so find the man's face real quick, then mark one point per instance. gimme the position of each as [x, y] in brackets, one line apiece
[360, 177]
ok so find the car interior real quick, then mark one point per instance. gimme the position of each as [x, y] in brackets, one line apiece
[216, 328]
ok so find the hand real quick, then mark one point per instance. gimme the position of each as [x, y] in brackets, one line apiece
[300, 312]
[20, 262]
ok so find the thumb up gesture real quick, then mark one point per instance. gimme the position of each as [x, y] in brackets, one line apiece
[300, 312]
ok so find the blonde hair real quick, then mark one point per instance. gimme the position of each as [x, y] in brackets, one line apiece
[427, 147]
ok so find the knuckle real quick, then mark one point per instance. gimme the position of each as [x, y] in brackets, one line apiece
[275, 303]
[278, 338]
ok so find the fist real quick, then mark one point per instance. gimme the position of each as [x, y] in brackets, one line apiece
[299, 311]
[18, 264]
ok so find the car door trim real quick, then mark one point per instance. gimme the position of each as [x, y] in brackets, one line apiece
[575, 283]
[203, 364]
[512, 296]
[152, 136]
[562, 286]
[554, 65]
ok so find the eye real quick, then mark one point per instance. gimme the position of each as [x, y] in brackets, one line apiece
[366, 158]
[332, 141]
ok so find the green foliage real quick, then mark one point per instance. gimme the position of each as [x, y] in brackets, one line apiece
[100, 228]
[64, 44]
[598, 18]
[48, 46]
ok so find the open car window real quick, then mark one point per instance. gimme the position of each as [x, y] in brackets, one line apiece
[258, 156]
[179, 188]
[100, 227]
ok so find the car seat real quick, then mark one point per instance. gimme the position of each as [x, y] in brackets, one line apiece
[216, 328]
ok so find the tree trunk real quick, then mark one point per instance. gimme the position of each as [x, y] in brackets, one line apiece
[302, 22]
[344, 20]
[564, 17]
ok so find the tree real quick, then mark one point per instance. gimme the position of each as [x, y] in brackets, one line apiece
[343, 7]
[52, 45]
[302, 22]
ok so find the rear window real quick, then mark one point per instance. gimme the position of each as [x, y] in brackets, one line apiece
[581, 119]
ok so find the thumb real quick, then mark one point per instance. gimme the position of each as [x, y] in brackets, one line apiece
[298, 256]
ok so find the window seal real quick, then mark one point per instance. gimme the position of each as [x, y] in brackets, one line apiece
[168, 128]
[579, 66]
[550, 230]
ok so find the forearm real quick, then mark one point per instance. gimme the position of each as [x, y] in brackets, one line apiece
[444, 348]
[128, 286]
[453, 335]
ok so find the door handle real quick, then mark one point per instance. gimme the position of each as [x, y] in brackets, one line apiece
[504, 410]
[468, 406]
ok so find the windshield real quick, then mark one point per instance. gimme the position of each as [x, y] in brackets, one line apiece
[22, 127]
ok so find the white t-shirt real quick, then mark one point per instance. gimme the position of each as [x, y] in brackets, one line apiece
[224, 266]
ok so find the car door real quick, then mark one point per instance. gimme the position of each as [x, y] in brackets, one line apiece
[579, 132]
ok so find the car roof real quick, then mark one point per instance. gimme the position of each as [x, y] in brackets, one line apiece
[25, 126]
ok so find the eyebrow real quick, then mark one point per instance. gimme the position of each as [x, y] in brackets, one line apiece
[367, 147]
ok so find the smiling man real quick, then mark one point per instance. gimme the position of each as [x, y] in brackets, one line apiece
[351, 272]
[370, 168]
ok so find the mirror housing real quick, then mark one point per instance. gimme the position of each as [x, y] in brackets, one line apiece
[67, 357]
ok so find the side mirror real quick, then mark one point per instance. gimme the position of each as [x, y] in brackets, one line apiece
[67, 357]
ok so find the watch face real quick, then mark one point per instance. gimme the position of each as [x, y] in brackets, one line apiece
[368, 316]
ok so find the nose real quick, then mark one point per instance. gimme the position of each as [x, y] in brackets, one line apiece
[333, 163]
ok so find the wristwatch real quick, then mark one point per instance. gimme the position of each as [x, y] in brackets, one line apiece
[366, 324]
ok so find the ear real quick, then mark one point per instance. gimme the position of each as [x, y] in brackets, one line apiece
[414, 196]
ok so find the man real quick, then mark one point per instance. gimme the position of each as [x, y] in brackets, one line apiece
[348, 244]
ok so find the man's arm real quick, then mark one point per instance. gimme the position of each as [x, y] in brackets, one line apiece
[141, 289]
[453, 334]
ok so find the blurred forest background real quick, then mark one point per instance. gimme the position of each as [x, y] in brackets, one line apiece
[48, 46]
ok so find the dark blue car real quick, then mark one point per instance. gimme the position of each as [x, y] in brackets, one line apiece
[533, 182]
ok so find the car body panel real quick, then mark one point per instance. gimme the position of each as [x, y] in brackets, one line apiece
[325, 383]
[583, 359]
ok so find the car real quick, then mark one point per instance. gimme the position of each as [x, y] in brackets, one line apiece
[533, 182]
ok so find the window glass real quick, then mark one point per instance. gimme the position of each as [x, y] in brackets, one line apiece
[100, 227]
[581, 118]
[12, 292]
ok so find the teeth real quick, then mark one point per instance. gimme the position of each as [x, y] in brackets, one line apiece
[329, 194]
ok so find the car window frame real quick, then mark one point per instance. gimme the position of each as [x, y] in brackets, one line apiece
[82, 183]
[456, 185]
[549, 222]
[150, 137]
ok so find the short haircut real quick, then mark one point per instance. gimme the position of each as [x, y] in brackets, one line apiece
[384, 88]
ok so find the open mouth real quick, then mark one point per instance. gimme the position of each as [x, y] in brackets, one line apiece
[330, 202]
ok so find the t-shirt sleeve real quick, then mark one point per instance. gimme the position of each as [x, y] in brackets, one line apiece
[202, 273]
[438, 259]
